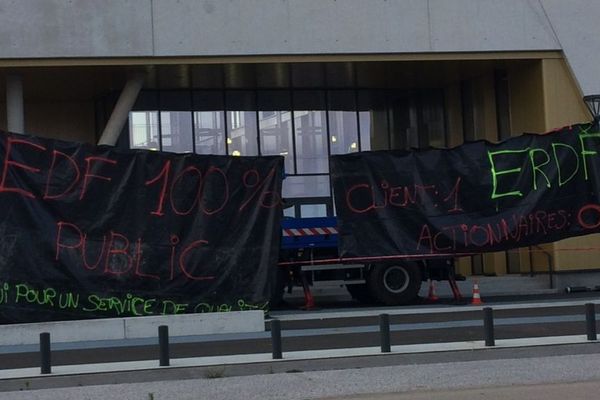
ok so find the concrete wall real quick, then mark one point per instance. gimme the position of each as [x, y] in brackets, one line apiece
[80, 28]
[112, 28]
[133, 328]
[575, 23]
[167, 28]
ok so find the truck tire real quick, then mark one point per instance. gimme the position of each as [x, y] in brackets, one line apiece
[395, 283]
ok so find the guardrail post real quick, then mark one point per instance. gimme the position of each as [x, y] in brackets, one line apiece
[163, 344]
[488, 326]
[384, 332]
[276, 339]
[45, 358]
[590, 319]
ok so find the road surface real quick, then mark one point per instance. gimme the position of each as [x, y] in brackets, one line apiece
[575, 376]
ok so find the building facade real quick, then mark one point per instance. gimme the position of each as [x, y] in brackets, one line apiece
[305, 79]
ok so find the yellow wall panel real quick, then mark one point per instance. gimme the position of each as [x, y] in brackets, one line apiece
[562, 97]
[72, 121]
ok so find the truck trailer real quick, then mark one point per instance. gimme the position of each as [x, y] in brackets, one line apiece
[309, 258]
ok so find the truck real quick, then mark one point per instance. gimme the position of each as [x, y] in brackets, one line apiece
[309, 258]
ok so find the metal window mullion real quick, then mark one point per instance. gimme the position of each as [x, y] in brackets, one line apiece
[226, 133]
[388, 119]
[445, 119]
[357, 110]
[293, 118]
[327, 129]
[224, 105]
[148, 116]
[312, 174]
[258, 146]
[420, 120]
[159, 119]
[193, 121]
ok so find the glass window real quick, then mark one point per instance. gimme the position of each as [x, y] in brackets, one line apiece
[209, 132]
[176, 131]
[343, 127]
[175, 120]
[209, 128]
[289, 212]
[242, 135]
[403, 121]
[143, 130]
[146, 100]
[310, 124]
[306, 186]
[313, 210]
[175, 100]
[275, 126]
[373, 120]
[432, 111]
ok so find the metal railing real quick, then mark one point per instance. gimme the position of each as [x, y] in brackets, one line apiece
[277, 344]
[550, 259]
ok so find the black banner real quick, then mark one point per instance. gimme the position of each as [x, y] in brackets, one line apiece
[478, 197]
[93, 231]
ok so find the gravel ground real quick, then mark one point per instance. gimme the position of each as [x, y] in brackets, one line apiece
[321, 384]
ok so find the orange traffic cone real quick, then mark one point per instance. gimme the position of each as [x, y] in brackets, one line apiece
[309, 301]
[476, 296]
[431, 296]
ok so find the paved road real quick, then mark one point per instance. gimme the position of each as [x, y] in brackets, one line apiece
[576, 376]
[557, 391]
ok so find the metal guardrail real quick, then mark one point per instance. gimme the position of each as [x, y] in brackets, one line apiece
[277, 345]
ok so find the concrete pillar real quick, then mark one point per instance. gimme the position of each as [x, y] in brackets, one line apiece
[15, 116]
[120, 114]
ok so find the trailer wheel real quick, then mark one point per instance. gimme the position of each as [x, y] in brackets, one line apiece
[395, 284]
